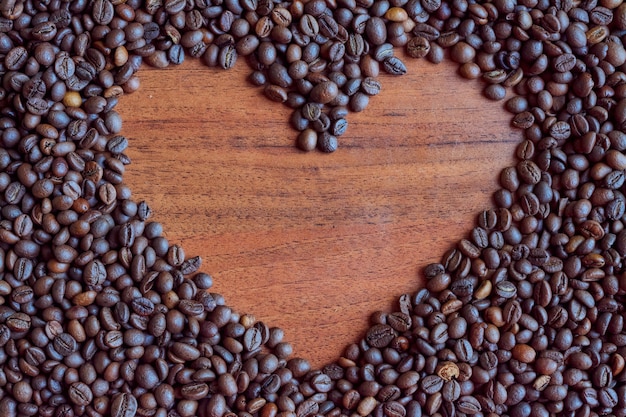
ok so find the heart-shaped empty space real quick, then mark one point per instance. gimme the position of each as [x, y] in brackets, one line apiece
[312, 242]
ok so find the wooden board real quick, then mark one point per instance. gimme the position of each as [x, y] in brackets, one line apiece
[312, 242]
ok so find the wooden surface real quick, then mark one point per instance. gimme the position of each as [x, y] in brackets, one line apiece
[311, 242]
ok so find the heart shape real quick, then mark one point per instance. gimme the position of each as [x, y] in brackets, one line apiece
[355, 217]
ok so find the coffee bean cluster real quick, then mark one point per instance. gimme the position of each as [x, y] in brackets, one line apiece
[101, 316]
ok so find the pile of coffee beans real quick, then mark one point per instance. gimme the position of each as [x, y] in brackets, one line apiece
[101, 316]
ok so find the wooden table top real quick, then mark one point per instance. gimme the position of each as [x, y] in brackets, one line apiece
[312, 242]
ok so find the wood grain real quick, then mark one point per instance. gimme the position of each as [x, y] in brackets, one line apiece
[311, 242]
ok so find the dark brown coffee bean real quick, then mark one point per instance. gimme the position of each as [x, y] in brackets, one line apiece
[602, 376]
[275, 93]
[564, 63]
[370, 86]
[497, 92]
[309, 25]
[227, 57]
[65, 344]
[468, 405]
[80, 394]
[185, 351]
[307, 408]
[195, 391]
[16, 58]
[123, 405]
[146, 376]
[375, 31]
[18, 322]
[326, 142]
[358, 102]
[394, 66]
[324, 92]
[431, 384]
[102, 12]
[355, 45]
[529, 172]
[380, 335]
[400, 322]
[307, 140]
[142, 306]
[394, 409]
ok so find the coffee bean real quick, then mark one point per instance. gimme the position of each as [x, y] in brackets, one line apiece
[375, 31]
[448, 371]
[65, 344]
[506, 289]
[418, 47]
[227, 57]
[195, 391]
[523, 353]
[252, 339]
[394, 409]
[80, 394]
[371, 86]
[431, 384]
[94, 273]
[400, 322]
[394, 66]
[327, 142]
[468, 405]
[324, 92]
[307, 140]
[529, 172]
[339, 127]
[185, 351]
[275, 93]
[307, 408]
[18, 322]
[380, 335]
[123, 405]
[358, 102]
[102, 12]
[602, 376]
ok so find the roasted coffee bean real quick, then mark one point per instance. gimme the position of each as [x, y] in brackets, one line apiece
[18, 322]
[380, 336]
[431, 384]
[252, 339]
[376, 31]
[80, 394]
[468, 405]
[339, 127]
[185, 351]
[324, 92]
[418, 47]
[400, 322]
[394, 66]
[123, 405]
[451, 391]
[142, 306]
[371, 86]
[227, 56]
[65, 344]
[448, 371]
[327, 142]
[103, 12]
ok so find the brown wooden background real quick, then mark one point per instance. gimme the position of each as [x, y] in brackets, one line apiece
[314, 242]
